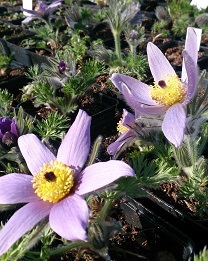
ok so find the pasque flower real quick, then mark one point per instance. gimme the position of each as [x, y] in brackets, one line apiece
[62, 66]
[43, 11]
[169, 94]
[57, 184]
[8, 130]
[126, 128]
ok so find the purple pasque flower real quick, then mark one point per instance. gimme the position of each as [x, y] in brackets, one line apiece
[62, 66]
[126, 128]
[57, 184]
[168, 95]
[43, 11]
[8, 130]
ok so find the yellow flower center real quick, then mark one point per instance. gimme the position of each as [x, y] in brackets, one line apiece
[121, 128]
[53, 182]
[168, 91]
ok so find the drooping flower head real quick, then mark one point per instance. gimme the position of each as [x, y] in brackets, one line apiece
[57, 184]
[62, 66]
[169, 94]
[8, 130]
[42, 11]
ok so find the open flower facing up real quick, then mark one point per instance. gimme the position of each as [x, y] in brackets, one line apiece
[43, 11]
[56, 185]
[8, 130]
[168, 95]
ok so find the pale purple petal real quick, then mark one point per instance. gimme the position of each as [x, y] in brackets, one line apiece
[101, 174]
[69, 218]
[128, 119]
[132, 89]
[123, 139]
[54, 5]
[21, 222]
[191, 47]
[174, 124]
[158, 63]
[16, 188]
[192, 76]
[28, 12]
[152, 110]
[34, 152]
[75, 147]
[28, 19]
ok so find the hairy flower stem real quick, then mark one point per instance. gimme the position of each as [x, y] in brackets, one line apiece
[108, 204]
[133, 51]
[117, 35]
[69, 247]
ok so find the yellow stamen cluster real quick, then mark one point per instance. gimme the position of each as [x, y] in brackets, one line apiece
[169, 91]
[53, 182]
[121, 128]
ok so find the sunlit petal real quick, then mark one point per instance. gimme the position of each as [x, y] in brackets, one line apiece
[69, 218]
[21, 222]
[34, 152]
[158, 63]
[174, 124]
[102, 174]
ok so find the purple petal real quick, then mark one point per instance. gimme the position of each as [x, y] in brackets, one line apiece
[55, 4]
[75, 147]
[69, 218]
[34, 152]
[191, 47]
[133, 90]
[192, 76]
[174, 124]
[101, 174]
[16, 188]
[125, 138]
[29, 12]
[152, 110]
[128, 119]
[28, 19]
[158, 63]
[21, 222]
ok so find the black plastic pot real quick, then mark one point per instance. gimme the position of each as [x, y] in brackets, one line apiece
[193, 227]
[13, 85]
[169, 240]
[23, 56]
[103, 122]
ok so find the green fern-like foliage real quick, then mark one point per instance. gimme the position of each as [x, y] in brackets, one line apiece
[52, 127]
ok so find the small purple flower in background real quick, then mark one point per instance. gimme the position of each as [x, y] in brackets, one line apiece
[126, 128]
[62, 67]
[168, 95]
[57, 185]
[8, 131]
[43, 11]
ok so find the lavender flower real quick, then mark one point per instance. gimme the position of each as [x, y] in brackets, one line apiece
[8, 131]
[43, 11]
[57, 185]
[141, 131]
[168, 95]
[126, 129]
